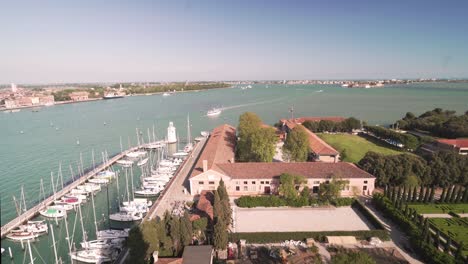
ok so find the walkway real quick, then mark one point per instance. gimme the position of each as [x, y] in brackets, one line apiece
[442, 215]
[32, 212]
[399, 239]
[178, 188]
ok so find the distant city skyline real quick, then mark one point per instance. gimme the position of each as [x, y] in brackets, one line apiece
[140, 41]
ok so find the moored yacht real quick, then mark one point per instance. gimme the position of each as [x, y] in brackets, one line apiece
[214, 112]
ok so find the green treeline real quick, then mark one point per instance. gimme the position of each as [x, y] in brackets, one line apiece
[174, 86]
[346, 125]
[296, 146]
[409, 141]
[256, 143]
[443, 168]
[438, 122]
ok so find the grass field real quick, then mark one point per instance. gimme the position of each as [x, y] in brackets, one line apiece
[456, 228]
[440, 208]
[356, 146]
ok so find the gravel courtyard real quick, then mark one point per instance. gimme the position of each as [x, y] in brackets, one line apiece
[297, 219]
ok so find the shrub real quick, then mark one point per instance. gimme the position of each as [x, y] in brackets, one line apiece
[274, 237]
[343, 201]
[368, 215]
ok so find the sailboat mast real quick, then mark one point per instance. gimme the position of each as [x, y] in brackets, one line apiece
[189, 136]
[60, 172]
[126, 181]
[81, 221]
[68, 234]
[30, 252]
[24, 199]
[53, 243]
[133, 190]
[52, 181]
[94, 213]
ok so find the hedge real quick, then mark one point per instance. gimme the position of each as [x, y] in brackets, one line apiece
[428, 252]
[274, 237]
[368, 215]
[277, 201]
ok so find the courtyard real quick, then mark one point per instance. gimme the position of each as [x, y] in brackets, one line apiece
[298, 219]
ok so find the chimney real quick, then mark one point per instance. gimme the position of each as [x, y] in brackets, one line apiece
[205, 165]
[231, 160]
[155, 256]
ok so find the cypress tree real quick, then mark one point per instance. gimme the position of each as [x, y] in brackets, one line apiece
[415, 193]
[437, 239]
[186, 231]
[393, 195]
[448, 194]
[421, 194]
[415, 216]
[385, 190]
[442, 196]
[431, 195]
[426, 232]
[426, 195]
[175, 235]
[448, 244]
[403, 197]
[220, 239]
[459, 254]
[406, 210]
[400, 190]
[460, 195]
[465, 195]
[454, 194]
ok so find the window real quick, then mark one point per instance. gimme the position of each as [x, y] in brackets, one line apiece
[262, 182]
[315, 189]
[201, 183]
[237, 182]
[246, 182]
[252, 188]
[211, 182]
[245, 188]
[253, 182]
[237, 188]
[267, 182]
[364, 188]
[365, 181]
[327, 182]
[316, 182]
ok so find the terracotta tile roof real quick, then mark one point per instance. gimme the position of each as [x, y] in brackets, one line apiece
[459, 143]
[205, 203]
[264, 170]
[319, 146]
[300, 120]
[219, 148]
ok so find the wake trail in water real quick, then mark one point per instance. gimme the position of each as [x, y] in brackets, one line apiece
[250, 104]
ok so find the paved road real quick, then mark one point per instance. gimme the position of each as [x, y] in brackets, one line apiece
[175, 192]
[399, 239]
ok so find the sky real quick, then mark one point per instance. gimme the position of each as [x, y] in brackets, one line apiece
[124, 41]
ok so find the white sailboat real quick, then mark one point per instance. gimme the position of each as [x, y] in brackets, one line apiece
[213, 112]
[126, 216]
[94, 255]
[148, 192]
[99, 180]
[52, 212]
[142, 162]
[112, 233]
[103, 243]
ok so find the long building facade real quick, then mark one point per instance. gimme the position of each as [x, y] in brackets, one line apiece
[217, 162]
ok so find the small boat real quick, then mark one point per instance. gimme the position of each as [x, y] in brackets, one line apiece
[198, 139]
[93, 255]
[79, 192]
[21, 236]
[60, 205]
[142, 162]
[204, 133]
[125, 163]
[135, 208]
[166, 94]
[214, 112]
[89, 187]
[99, 181]
[126, 217]
[112, 96]
[110, 243]
[36, 227]
[51, 212]
[112, 233]
[188, 148]
[3, 250]
[147, 192]
[181, 153]
[106, 174]
[319, 91]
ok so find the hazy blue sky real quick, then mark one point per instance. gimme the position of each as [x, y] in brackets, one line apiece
[87, 41]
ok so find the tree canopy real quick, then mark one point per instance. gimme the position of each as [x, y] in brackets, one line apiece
[437, 122]
[256, 143]
[296, 146]
[346, 125]
[331, 190]
[352, 257]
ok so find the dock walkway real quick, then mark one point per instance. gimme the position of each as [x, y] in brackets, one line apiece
[32, 212]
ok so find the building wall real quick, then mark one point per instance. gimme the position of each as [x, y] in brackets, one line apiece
[10, 103]
[239, 187]
[326, 158]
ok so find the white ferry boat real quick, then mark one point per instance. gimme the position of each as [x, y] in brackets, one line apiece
[214, 112]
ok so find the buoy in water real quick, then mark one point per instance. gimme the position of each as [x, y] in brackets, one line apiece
[21, 132]
[78, 142]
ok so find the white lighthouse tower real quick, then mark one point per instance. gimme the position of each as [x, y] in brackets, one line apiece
[171, 133]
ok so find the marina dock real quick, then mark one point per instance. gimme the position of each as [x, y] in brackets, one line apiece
[32, 212]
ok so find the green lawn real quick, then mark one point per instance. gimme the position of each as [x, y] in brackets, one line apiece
[440, 208]
[456, 228]
[356, 146]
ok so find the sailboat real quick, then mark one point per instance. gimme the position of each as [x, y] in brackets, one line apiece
[112, 233]
[94, 255]
[142, 162]
[52, 212]
[189, 146]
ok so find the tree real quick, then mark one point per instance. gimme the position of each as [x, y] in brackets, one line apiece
[332, 190]
[326, 126]
[358, 257]
[442, 196]
[426, 195]
[288, 184]
[421, 194]
[344, 155]
[185, 230]
[256, 143]
[220, 239]
[175, 235]
[224, 199]
[296, 146]
[448, 195]
[431, 195]
[350, 123]
[312, 126]
[137, 246]
[415, 194]
[448, 245]
[453, 195]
